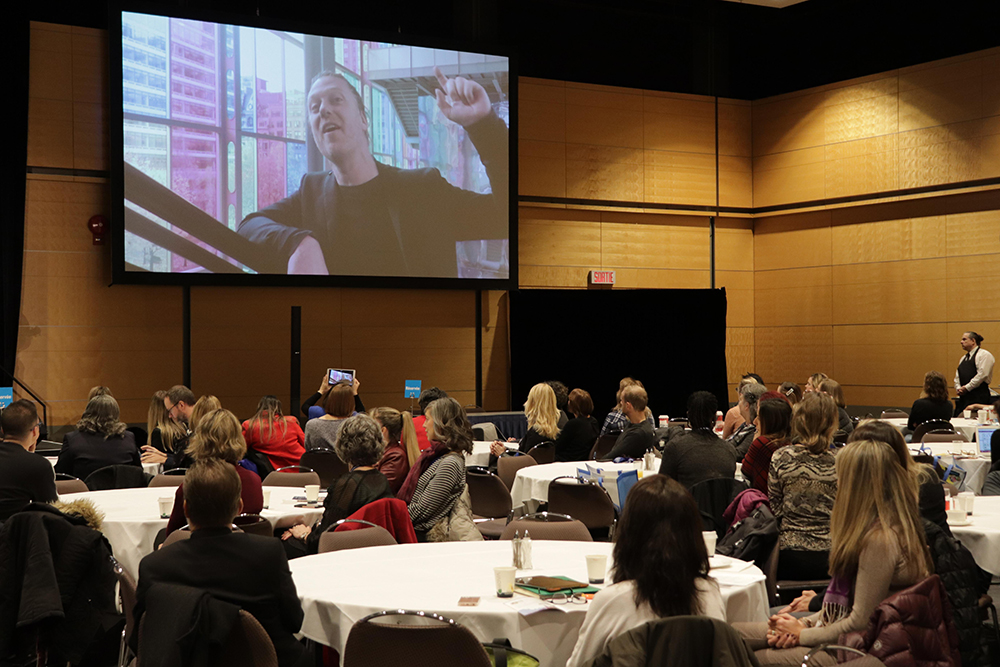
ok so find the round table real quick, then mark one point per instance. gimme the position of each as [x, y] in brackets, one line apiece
[148, 468]
[339, 588]
[967, 427]
[132, 516]
[533, 482]
[982, 536]
[480, 455]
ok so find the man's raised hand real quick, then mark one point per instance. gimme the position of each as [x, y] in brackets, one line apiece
[461, 100]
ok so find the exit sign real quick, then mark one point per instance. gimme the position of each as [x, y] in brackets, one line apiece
[602, 277]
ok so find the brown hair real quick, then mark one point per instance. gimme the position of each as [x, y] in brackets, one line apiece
[268, 410]
[449, 425]
[218, 436]
[205, 404]
[156, 418]
[775, 417]
[935, 387]
[18, 418]
[212, 491]
[179, 393]
[401, 429]
[580, 403]
[99, 390]
[339, 400]
[834, 390]
[814, 420]
[791, 391]
[636, 395]
[101, 416]
[622, 384]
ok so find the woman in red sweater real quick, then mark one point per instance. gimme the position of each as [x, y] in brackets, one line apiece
[274, 435]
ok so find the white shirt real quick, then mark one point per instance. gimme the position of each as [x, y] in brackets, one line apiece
[984, 369]
[613, 612]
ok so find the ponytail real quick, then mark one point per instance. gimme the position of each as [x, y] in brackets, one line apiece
[408, 439]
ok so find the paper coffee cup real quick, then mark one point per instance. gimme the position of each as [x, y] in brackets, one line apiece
[166, 507]
[267, 498]
[597, 567]
[967, 413]
[957, 516]
[710, 537]
[504, 577]
[312, 492]
[664, 420]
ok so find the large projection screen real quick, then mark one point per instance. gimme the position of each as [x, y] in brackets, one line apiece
[262, 156]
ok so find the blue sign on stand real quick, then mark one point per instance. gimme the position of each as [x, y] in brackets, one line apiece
[6, 396]
[412, 389]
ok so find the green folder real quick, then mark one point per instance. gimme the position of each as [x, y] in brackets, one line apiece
[543, 593]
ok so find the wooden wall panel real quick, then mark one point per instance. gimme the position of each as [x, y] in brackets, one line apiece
[784, 353]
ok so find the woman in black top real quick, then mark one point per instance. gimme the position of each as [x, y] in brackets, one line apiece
[933, 402]
[578, 436]
[100, 440]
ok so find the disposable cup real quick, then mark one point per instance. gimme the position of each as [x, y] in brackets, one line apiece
[957, 516]
[166, 507]
[312, 492]
[267, 498]
[504, 577]
[597, 566]
[710, 536]
[967, 500]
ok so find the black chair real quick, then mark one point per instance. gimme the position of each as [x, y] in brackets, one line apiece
[325, 463]
[254, 524]
[491, 502]
[584, 500]
[425, 639]
[141, 437]
[603, 446]
[713, 497]
[117, 477]
[783, 591]
[543, 452]
[930, 425]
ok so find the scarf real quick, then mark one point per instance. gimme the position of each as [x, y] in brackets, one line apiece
[836, 601]
[429, 456]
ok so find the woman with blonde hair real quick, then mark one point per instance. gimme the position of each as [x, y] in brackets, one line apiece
[401, 448]
[543, 417]
[274, 435]
[202, 407]
[100, 440]
[219, 435]
[877, 548]
[166, 436]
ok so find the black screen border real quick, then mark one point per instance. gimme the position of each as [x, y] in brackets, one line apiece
[121, 276]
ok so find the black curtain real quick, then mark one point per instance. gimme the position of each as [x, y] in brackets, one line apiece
[672, 340]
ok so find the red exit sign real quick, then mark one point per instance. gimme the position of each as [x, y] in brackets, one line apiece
[602, 277]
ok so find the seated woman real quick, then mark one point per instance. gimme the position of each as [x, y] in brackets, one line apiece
[100, 440]
[734, 417]
[791, 391]
[878, 548]
[436, 481]
[312, 407]
[321, 432]
[401, 447]
[543, 422]
[274, 435]
[164, 434]
[576, 440]
[218, 435]
[774, 419]
[360, 446]
[801, 486]
[660, 568]
[833, 389]
[699, 454]
[933, 402]
[814, 381]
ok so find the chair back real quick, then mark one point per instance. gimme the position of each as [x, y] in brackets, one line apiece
[177, 535]
[485, 431]
[299, 479]
[942, 435]
[603, 446]
[582, 499]
[64, 486]
[931, 425]
[176, 471]
[167, 480]
[543, 452]
[509, 464]
[713, 497]
[140, 435]
[248, 645]
[325, 463]
[548, 526]
[894, 413]
[487, 493]
[404, 637]
[254, 524]
[840, 438]
[371, 536]
[126, 592]
[117, 477]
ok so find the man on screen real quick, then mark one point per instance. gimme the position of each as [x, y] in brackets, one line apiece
[366, 218]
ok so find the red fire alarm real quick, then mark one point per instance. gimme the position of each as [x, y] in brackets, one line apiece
[97, 225]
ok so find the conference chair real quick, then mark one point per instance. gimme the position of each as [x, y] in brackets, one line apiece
[603, 446]
[491, 502]
[930, 425]
[281, 478]
[782, 592]
[140, 435]
[840, 438]
[127, 596]
[509, 463]
[254, 524]
[371, 536]
[402, 637]
[325, 463]
[864, 659]
[71, 485]
[683, 423]
[713, 497]
[248, 645]
[894, 413]
[117, 477]
[943, 435]
[543, 452]
[548, 526]
[586, 501]
[183, 533]
[679, 641]
[163, 479]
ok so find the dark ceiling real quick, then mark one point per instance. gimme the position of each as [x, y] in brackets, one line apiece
[693, 46]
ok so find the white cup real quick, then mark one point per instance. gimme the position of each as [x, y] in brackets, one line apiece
[312, 492]
[664, 420]
[267, 498]
[710, 536]
[957, 516]
[166, 507]
[966, 501]
[984, 416]
[504, 577]
[967, 413]
[597, 567]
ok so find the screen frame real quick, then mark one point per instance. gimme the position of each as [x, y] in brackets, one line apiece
[120, 275]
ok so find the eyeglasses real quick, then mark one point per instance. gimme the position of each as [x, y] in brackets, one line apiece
[563, 598]
[170, 410]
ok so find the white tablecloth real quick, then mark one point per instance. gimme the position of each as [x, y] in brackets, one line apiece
[341, 587]
[533, 481]
[976, 470]
[148, 468]
[132, 517]
[967, 427]
[480, 455]
[982, 537]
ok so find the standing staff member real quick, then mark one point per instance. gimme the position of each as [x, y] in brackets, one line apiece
[974, 374]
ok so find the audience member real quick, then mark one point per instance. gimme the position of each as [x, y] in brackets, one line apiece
[833, 389]
[436, 482]
[734, 418]
[274, 435]
[774, 418]
[163, 432]
[247, 570]
[577, 439]
[310, 408]
[100, 440]
[179, 402]
[427, 396]
[801, 486]
[974, 373]
[543, 417]
[660, 568]
[401, 448]
[338, 405]
[359, 445]
[877, 548]
[220, 436]
[562, 401]
[699, 454]
[24, 477]
[791, 391]
[204, 405]
[638, 436]
[616, 421]
[933, 402]
[743, 436]
[814, 381]
[99, 390]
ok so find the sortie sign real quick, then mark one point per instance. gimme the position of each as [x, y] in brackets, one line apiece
[602, 277]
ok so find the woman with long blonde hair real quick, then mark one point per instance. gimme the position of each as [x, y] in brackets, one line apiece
[543, 417]
[877, 548]
[401, 448]
[274, 435]
[202, 407]
[166, 437]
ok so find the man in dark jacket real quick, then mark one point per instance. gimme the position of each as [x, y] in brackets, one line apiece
[246, 570]
[24, 476]
[638, 436]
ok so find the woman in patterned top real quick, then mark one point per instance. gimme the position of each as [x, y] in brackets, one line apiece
[802, 485]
